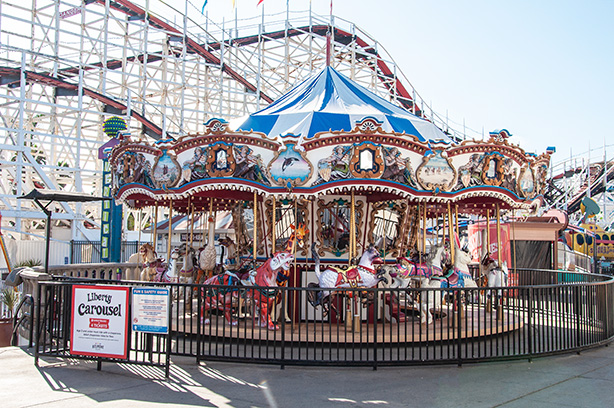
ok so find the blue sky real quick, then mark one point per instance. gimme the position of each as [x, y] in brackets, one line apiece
[541, 69]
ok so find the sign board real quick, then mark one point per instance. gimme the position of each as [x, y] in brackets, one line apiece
[478, 237]
[150, 310]
[99, 321]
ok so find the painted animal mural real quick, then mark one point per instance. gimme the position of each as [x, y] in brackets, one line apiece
[362, 275]
[263, 293]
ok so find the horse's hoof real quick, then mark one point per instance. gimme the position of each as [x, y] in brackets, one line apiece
[234, 322]
[273, 327]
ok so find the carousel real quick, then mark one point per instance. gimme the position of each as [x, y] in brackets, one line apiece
[325, 185]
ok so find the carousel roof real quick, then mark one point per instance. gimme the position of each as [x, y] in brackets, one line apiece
[330, 101]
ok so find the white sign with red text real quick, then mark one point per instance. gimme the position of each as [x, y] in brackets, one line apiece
[99, 321]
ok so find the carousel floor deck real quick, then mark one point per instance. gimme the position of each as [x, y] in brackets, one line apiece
[476, 323]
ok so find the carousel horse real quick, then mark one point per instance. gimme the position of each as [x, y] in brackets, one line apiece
[407, 270]
[155, 270]
[462, 259]
[150, 262]
[497, 278]
[225, 297]
[262, 278]
[403, 274]
[186, 273]
[167, 273]
[453, 277]
[138, 258]
[362, 275]
[295, 241]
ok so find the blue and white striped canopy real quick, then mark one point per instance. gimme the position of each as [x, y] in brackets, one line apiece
[330, 101]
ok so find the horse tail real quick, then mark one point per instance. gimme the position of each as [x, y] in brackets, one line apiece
[316, 259]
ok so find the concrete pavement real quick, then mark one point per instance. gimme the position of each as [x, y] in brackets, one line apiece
[572, 380]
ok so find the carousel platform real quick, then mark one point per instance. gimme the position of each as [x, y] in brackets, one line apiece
[476, 323]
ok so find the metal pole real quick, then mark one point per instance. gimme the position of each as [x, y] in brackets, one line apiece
[451, 232]
[170, 230]
[498, 235]
[488, 232]
[155, 231]
[273, 244]
[255, 225]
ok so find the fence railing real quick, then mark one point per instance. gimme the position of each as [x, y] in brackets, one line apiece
[543, 312]
[90, 252]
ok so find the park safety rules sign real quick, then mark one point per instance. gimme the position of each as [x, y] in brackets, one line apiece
[99, 321]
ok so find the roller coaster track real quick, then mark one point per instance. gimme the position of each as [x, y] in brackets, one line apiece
[65, 67]
[566, 189]
[10, 76]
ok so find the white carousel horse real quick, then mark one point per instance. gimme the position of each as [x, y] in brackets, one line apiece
[455, 278]
[462, 259]
[167, 273]
[406, 270]
[362, 275]
[497, 278]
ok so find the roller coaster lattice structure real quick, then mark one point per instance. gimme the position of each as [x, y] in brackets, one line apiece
[589, 173]
[66, 67]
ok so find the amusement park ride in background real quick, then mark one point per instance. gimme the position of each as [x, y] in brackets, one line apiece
[583, 187]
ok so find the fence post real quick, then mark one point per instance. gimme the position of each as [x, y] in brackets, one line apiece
[282, 313]
[530, 323]
[459, 315]
[375, 319]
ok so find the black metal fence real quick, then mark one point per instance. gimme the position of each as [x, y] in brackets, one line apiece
[544, 312]
[90, 252]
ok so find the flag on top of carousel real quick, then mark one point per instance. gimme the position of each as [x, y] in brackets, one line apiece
[329, 100]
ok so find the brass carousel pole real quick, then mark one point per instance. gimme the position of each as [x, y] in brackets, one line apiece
[451, 232]
[498, 236]
[155, 231]
[423, 235]
[255, 226]
[191, 217]
[489, 301]
[456, 217]
[170, 231]
[488, 232]
[500, 301]
[352, 229]
[274, 226]
[138, 244]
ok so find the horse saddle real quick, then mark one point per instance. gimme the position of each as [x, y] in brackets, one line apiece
[453, 278]
[349, 276]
